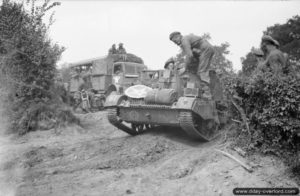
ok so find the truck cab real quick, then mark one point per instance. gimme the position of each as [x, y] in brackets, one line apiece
[151, 77]
[124, 75]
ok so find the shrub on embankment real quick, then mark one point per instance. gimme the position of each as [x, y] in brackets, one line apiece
[28, 60]
[272, 106]
[272, 103]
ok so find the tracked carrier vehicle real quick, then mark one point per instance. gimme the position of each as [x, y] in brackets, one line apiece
[178, 101]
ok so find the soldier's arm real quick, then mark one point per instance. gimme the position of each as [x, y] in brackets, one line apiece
[187, 50]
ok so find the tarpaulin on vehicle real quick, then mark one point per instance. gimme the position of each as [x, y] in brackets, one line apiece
[137, 91]
[161, 96]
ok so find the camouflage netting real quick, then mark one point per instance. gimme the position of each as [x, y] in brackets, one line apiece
[128, 57]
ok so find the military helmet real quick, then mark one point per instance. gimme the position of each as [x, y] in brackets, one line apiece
[170, 60]
[173, 34]
[268, 38]
[257, 52]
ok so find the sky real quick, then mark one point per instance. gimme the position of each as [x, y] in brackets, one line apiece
[88, 28]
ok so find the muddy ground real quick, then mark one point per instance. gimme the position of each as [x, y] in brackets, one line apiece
[99, 159]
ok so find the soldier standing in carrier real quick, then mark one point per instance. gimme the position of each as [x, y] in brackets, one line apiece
[198, 52]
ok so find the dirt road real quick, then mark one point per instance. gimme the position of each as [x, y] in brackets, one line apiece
[98, 160]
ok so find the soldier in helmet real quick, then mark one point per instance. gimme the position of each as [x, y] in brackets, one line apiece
[260, 58]
[170, 64]
[198, 55]
[85, 88]
[121, 49]
[85, 83]
[122, 52]
[275, 59]
[259, 54]
[113, 49]
[198, 52]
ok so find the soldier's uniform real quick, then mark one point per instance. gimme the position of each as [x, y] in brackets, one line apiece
[275, 59]
[112, 50]
[122, 52]
[121, 49]
[199, 53]
[87, 86]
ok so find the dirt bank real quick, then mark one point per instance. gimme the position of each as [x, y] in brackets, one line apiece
[98, 159]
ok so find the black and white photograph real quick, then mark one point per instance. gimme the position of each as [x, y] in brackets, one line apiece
[149, 97]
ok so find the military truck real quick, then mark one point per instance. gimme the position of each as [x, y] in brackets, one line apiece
[103, 75]
[124, 75]
[177, 102]
[151, 78]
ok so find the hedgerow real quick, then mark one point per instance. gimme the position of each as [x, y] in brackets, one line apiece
[271, 102]
[28, 66]
[272, 106]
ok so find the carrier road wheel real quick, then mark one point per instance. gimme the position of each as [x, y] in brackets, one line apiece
[139, 128]
[148, 126]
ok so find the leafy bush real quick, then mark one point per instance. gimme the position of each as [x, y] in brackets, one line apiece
[28, 66]
[288, 35]
[249, 64]
[43, 116]
[272, 105]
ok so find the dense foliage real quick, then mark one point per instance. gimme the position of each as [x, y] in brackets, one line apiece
[272, 104]
[288, 35]
[249, 64]
[28, 65]
[219, 61]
